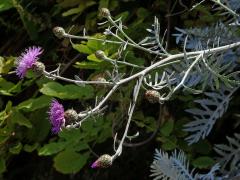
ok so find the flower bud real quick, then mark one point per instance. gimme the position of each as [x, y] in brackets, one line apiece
[100, 54]
[152, 96]
[39, 67]
[70, 115]
[59, 32]
[103, 161]
[99, 77]
[104, 12]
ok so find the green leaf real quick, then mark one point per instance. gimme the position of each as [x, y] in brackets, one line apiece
[68, 161]
[2, 165]
[68, 3]
[20, 119]
[30, 147]
[5, 134]
[66, 92]
[6, 64]
[5, 5]
[79, 10]
[103, 4]
[104, 134]
[8, 106]
[82, 48]
[130, 57]
[7, 111]
[3, 138]
[71, 135]
[16, 88]
[87, 65]
[203, 162]
[91, 20]
[69, 139]
[167, 128]
[81, 146]
[16, 149]
[168, 143]
[28, 20]
[91, 46]
[178, 127]
[142, 13]
[41, 126]
[93, 58]
[52, 148]
[5, 87]
[96, 45]
[34, 104]
[123, 15]
[202, 147]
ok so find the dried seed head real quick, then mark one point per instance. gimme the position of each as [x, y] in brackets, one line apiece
[70, 115]
[100, 54]
[103, 161]
[152, 96]
[104, 12]
[59, 32]
[39, 68]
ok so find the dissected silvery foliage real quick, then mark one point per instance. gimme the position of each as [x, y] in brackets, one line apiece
[207, 37]
[229, 154]
[176, 167]
[211, 108]
[229, 8]
[154, 42]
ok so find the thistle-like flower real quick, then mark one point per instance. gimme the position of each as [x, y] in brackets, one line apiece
[104, 161]
[27, 60]
[56, 116]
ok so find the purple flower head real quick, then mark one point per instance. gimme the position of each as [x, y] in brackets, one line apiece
[27, 60]
[56, 116]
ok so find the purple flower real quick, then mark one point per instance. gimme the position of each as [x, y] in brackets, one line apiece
[56, 116]
[27, 60]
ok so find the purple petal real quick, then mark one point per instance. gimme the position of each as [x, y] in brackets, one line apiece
[27, 60]
[94, 165]
[56, 116]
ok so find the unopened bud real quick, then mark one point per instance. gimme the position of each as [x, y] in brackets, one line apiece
[100, 54]
[70, 115]
[103, 161]
[39, 67]
[99, 77]
[104, 12]
[59, 32]
[152, 96]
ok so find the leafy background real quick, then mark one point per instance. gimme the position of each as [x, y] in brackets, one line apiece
[28, 150]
